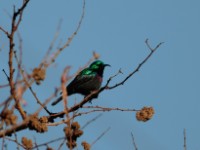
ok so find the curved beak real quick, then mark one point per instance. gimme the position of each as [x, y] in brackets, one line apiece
[107, 65]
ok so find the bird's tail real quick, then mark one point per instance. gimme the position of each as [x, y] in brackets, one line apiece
[56, 101]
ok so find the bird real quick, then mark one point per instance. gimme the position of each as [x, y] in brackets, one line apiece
[88, 80]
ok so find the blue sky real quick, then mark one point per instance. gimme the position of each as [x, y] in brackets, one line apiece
[116, 30]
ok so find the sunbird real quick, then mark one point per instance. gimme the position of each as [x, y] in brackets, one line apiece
[88, 80]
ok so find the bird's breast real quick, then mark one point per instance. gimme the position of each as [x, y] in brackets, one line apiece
[99, 78]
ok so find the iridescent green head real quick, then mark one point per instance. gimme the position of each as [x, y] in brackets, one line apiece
[98, 66]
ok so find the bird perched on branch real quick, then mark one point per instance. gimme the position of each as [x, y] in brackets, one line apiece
[88, 80]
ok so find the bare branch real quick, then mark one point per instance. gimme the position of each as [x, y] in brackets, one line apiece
[15, 128]
[139, 66]
[70, 38]
[29, 86]
[11, 51]
[153, 49]
[18, 13]
[44, 62]
[108, 108]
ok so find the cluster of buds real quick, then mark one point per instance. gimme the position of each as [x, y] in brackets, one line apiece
[145, 114]
[96, 55]
[72, 133]
[8, 117]
[27, 143]
[38, 125]
[85, 145]
[39, 75]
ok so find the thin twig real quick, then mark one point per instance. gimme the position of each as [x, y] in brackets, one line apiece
[44, 144]
[98, 138]
[46, 102]
[6, 85]
[109, 109]
[44, 62]
[19, 144]
[65, 101]
[61, 144]
[133, 140]
[57, 123]
[17, 141]
[101, 109]
[20, 57]
[70, 38]
[19, 13]
[64, 79]
[36, 145]
[90, 121]
[6, 75]
[3, 142]
[185, 144]
[30, 88]
[14, 28]
[139, 66]
[4, 31]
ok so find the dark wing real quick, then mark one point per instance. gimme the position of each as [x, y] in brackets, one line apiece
[80, 84]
